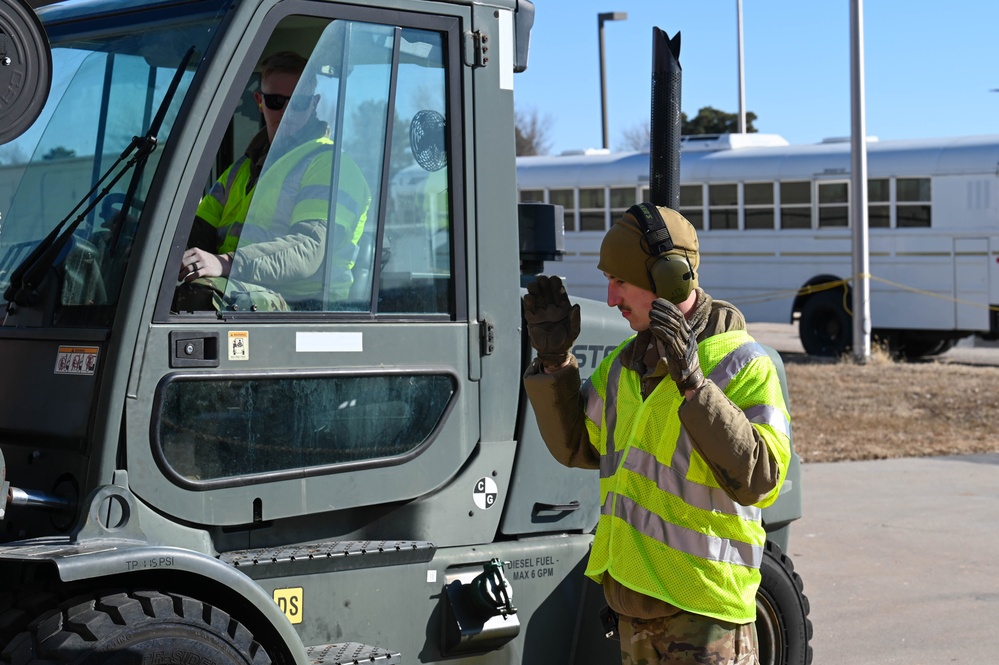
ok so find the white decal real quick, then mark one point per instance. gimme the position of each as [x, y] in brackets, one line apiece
[239, 345]
[329, 342]
[76, 360]
[485, 493]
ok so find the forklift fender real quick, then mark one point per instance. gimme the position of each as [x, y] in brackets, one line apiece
[108, 542]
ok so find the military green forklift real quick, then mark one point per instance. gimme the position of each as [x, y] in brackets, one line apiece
[343, 478]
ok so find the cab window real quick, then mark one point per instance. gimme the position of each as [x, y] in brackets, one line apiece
[350, 210]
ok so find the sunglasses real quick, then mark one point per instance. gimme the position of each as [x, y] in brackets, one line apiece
[276, 102]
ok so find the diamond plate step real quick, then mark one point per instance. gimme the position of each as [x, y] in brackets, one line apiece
[352, 653]
[328, 556]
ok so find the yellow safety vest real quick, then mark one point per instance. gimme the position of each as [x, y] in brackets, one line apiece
[666, 528]
[226, 204]
[296, 188]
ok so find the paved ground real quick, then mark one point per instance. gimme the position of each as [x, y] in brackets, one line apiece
[900, 558]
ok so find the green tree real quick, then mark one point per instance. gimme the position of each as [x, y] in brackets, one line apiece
[59, 153]
[367, 129]
[710, 120]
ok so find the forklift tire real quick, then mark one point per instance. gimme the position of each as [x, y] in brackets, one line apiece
[782, 625]
[123, 628]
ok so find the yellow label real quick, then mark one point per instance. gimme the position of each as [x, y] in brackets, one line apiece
[290, 602]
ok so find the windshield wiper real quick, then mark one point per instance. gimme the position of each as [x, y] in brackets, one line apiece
[29, 274]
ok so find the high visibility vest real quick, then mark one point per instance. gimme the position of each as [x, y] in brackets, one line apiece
[296, 188]
[666, 528]
[226, 204]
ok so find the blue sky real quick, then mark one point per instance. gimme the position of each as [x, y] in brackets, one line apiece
[929, 66]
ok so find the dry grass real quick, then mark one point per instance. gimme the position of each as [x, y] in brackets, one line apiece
[844, 411]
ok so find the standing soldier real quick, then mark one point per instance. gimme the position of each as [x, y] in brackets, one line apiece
[687, 424]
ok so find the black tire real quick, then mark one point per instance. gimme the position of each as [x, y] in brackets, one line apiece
[825, 328]
[915, 347]
[782, 625]
[122, 628]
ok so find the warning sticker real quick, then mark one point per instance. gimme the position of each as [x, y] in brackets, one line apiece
[239, 345]
[76, 360]
[485, 493]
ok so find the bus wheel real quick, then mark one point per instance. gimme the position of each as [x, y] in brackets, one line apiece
[825, 327]
[123, 628]
[914, 347]
[782, 625]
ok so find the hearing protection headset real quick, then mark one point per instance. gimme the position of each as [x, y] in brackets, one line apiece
[671, 277]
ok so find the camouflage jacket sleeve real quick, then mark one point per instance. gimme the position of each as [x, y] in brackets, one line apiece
[294, 256]
[559, 407]
[748, 461]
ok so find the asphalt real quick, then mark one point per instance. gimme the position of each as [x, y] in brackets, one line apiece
[899, 557]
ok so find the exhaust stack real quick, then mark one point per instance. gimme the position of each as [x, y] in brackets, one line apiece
[664, 145]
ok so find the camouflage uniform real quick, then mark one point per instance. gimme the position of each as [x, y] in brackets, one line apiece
[686, 638]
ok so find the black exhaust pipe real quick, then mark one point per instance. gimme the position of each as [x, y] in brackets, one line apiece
[664, 144]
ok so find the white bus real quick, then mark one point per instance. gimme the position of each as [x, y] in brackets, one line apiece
[775, 233]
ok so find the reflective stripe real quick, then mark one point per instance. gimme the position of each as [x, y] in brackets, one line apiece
[613, 381]
[292, 183]
[732, 364]
[764, 414]
[594, 403]
[679, 538]
[675, 483]
[234, 173]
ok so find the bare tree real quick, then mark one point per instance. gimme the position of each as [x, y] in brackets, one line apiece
[638, 137]
[532, 132]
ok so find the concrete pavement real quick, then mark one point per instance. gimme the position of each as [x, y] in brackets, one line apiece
[899, 560]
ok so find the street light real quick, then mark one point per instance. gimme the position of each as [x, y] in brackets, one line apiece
[608, 16]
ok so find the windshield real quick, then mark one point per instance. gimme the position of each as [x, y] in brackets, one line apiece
[108, 85]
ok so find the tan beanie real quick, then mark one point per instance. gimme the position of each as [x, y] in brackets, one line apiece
[625, 254]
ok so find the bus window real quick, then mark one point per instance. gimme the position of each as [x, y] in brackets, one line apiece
[723, 206]
[564, 198]
[796, 205]
[834, 209]
[621, 198]
[592, 210]
[912, 196]
[758, 200]
[692, 204]
[878, 203]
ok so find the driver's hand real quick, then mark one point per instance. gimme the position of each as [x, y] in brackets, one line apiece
[199, 263]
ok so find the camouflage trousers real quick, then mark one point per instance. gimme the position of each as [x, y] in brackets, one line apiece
[686, 638]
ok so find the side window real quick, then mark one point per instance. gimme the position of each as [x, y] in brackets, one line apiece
[213, 430]
[796, 205]
[759, 205]
[350, 210]
[723, 206]
[912, 202]
[692, 204]
[834, 209]
[878, 199]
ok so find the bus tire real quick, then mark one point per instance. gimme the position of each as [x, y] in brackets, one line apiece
[120, 628]
[825, 328]
[783, 628]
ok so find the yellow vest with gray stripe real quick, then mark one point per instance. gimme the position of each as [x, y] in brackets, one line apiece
[227, 203]
[666, 528]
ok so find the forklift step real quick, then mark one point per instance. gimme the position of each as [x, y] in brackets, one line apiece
[351, 653]
[328, 556]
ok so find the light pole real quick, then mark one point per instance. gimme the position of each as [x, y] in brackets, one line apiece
[607, 16]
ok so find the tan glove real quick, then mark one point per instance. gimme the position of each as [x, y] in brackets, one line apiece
[670, 327]
[552, 321]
